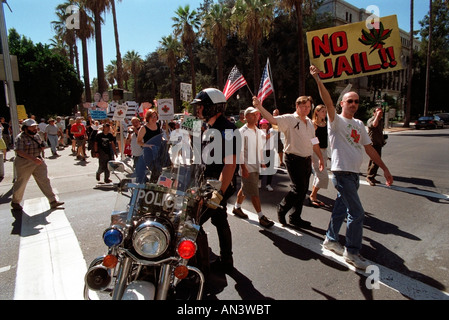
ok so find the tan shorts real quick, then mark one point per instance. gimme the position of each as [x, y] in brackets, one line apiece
[250, 185]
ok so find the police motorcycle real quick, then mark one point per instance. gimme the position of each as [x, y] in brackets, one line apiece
[153, 252]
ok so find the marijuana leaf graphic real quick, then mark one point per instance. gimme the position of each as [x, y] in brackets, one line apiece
[375, 38]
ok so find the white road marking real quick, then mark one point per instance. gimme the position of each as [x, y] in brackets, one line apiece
[4, 269]
[50, 265]
[407, 286]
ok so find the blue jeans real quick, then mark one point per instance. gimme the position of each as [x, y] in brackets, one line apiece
[347, 205]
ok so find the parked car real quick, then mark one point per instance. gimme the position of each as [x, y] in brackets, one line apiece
[444, 117]
[429, 122]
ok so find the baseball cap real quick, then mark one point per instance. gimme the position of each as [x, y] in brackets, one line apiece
[29, 123]
[250, 110]
[264, 121]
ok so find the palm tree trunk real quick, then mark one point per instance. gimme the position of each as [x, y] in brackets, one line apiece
[192, 70]
[302, 83]
[220, 66]
[117, 46]
[256, 67]
[173, 86]
[77, 61]
[102, 85]
[88, 93]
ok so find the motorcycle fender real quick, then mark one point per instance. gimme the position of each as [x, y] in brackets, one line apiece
[139, 290]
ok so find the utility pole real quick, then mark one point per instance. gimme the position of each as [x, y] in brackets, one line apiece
[429, 52]
[410, 70]
[9, 92]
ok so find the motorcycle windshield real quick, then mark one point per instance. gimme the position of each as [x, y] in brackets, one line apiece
[169, 161]
[164, 175]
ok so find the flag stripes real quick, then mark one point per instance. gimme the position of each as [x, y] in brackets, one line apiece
[265, 88]
[234, 83]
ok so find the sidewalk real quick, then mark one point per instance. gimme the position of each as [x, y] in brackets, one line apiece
[399, 126]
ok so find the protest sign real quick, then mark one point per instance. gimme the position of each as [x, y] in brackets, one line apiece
[98, 114]
[356, 50]
[21, 112]
[166, 109]
[120, 113]
[192, 125]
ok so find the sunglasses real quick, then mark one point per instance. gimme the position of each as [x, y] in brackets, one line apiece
[351, 101]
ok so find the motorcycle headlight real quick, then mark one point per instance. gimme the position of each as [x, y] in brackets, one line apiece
[151, 239]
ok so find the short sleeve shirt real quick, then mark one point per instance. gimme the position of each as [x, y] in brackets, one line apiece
[347, 139]
[28, 144]
[298, 134]
[51, 130]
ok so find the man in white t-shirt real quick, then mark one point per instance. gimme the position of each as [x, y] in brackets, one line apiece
[348, 140]
[300, 143]
[251, 161]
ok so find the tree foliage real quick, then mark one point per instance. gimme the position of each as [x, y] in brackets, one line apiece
[48, 83]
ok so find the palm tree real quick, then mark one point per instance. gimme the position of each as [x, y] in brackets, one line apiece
[97, 7]
[252, 19]
[186, 22]
[85, 32]
[133, 61]
[59, 46]
[117, 46]
[297, 6]
[64, 34]
[170, 52]
[111, 73]
[216, 26]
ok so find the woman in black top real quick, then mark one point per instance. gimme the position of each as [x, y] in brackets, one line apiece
[150, 129]
[321, 178]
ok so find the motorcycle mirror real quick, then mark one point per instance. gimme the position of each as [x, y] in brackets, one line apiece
[116, 166]
[216, 184]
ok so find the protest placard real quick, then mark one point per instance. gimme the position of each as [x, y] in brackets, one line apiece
[356, 50]
[166, 109]
[98, 114]
[120, 113]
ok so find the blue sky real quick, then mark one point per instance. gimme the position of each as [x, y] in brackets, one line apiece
[142, 23]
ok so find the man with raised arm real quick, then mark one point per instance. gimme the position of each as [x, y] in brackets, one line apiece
[300, 143]
[348, 139]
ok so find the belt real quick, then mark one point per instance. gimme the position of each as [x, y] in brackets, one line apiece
[296, 156]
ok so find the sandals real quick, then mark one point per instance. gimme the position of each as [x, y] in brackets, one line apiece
[316, 203]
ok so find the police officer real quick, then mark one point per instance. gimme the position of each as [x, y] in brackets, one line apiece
[210, 105]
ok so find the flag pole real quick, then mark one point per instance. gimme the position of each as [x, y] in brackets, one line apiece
[272, 84]
[252, 95]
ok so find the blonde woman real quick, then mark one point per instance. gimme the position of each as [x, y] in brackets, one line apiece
[321, 178]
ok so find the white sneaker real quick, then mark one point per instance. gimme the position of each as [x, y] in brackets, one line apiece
[333, 246]
[356, 260]
[269, 188]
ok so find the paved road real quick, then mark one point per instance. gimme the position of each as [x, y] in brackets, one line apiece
[46, 252]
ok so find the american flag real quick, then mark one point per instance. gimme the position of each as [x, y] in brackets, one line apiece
[164, 181]
[235, 82]
[266, 87]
